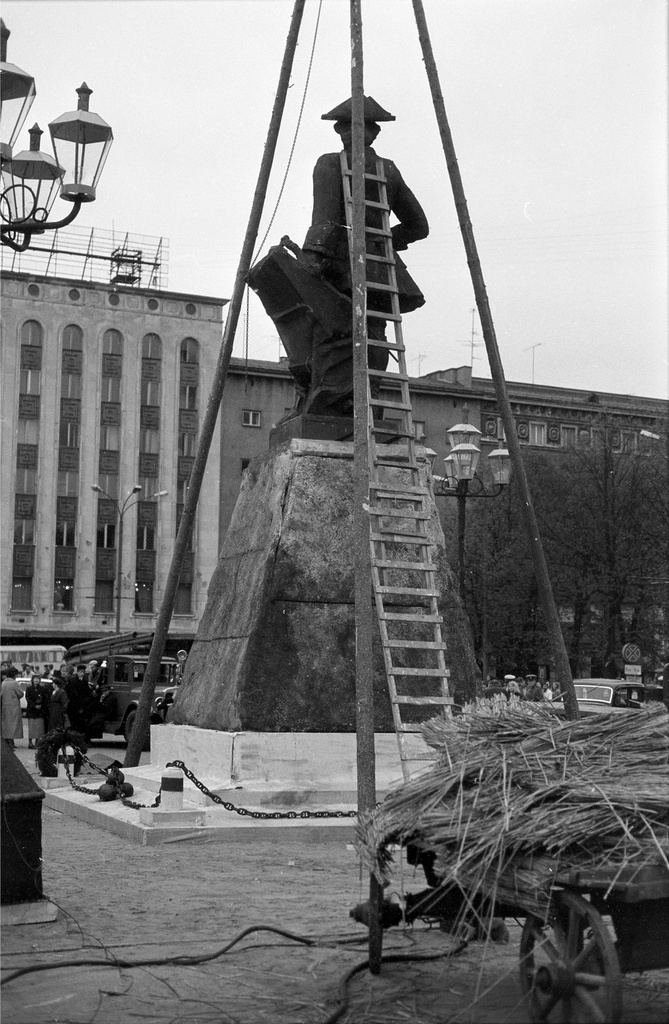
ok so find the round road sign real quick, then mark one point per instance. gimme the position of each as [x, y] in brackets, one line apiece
[632, 653]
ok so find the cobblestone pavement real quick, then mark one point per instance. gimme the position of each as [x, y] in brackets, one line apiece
[123, 901]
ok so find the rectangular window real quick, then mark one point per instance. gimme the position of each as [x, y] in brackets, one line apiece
[251, 417]
[110, 438]
[183, 600]
[538, 433]
[68, 435]
[187, 444]
[22, 595]
[111, 389]
[27, 432]
[149, 441]
[68, 483]
[146, 538]
[627, 441]
[63, 595]
[29, 382]
[70, 385]
[106, 535]
[26, 481]
[144, 597]
[65, 533]
[419, 429]
[24, 531]
[187, 396]
[150, 392]
[109, 482]
[104, 596]
[182, 490]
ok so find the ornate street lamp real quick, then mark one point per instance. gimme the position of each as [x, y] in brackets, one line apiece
[31, 180]
[461, 481]
[120, 513]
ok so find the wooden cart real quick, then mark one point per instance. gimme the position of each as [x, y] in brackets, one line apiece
[571, 965]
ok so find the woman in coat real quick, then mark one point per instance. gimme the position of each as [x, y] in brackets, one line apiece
[36, 703]
[58, 708]
[12, 719]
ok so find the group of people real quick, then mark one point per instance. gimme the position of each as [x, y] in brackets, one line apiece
[65, 699]
[523, 687]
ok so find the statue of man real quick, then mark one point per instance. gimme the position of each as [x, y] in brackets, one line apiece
[318, 339]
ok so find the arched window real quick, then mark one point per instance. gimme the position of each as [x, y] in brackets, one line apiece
[112, 342]
[152, 347]
[190, 351]
[73, 338]
[31, 333]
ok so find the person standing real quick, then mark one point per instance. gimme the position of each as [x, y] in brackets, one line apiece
[35, 706]
[10, 702]
[58, 708]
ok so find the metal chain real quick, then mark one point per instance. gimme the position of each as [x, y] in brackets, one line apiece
[112, 779]
[245, 812]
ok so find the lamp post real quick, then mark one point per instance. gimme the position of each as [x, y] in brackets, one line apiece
[120, 512]
[461, 480]
[31, 180]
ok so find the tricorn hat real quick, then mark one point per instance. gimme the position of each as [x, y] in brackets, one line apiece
[373, 111]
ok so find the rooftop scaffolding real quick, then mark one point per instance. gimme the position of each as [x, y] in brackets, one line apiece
[92, 254]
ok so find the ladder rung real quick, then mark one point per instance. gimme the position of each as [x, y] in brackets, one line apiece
[376, 286]
[443, 701]
[415, 727]
[383, 563]
[409, 591]
[415, 645]
[391, 462]
[368, 176]
[399, 513]
[393, 377]
[409, 617]
[410, 494]
[384, 316]
[373, 258]
[395, 537]
[391, 432]
[435, 672]
[383, 403]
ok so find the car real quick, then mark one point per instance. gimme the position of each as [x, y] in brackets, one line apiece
[595, 695]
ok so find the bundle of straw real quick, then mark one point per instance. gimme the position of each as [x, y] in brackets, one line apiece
[517, 795]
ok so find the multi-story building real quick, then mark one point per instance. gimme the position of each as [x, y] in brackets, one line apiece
[104, 385]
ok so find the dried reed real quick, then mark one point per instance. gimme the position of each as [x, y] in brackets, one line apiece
[516, 795]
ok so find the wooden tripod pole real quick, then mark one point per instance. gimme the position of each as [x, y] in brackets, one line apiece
[209, 423]
[364, 612]
[548, 605]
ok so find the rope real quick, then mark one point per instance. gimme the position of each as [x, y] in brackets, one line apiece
[281, 189]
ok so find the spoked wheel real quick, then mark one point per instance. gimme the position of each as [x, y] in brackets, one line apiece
[569, 970]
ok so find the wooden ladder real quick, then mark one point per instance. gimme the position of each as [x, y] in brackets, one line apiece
[403, 572]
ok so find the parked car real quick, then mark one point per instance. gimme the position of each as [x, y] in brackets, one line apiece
[595, 695]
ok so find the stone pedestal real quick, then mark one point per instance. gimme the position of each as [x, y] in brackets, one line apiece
[275, 650]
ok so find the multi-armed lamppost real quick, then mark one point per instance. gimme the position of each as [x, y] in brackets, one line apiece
[461, 480]
[31, 180]
[120, 512]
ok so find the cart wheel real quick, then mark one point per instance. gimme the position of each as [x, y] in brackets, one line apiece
[572, 976]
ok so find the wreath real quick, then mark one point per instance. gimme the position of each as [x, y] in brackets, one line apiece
[49, 746]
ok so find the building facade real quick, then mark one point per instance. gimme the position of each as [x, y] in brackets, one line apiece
[103, 390]
[104, 385]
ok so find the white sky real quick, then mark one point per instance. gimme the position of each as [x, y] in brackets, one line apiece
[558, 110]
